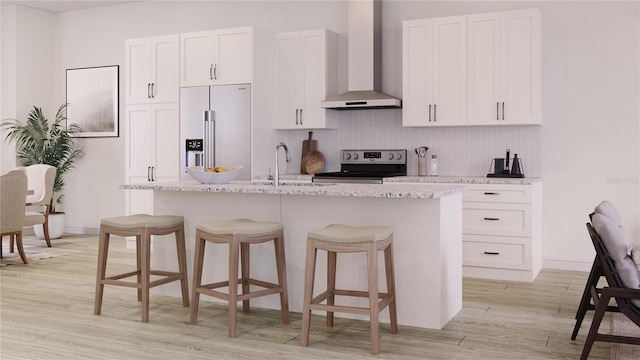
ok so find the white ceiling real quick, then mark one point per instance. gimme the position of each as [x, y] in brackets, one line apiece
[63, 6]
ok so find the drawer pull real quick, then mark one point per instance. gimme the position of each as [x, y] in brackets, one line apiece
[491, 219]
[491, 253]
[492, 193]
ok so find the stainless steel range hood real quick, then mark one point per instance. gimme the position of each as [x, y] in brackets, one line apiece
[365, 65]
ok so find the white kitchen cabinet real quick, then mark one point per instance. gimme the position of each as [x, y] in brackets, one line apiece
[501, 231]
[152, 150]
[306, 73]
[216, 57]
[434, 72]
[504, 68]
[151, 70]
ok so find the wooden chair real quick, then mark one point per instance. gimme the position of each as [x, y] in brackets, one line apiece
[624, 284]
[591, 289]
[13, 191]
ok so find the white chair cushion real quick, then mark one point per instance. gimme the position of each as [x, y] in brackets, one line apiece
[609, 210]
[615, 239]
[143, 221]
[33, 218]
[245, 227]
[346, 234]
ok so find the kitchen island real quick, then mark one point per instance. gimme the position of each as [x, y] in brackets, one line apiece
[426, 220]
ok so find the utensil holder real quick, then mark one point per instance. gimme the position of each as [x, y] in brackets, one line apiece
[498, 169]
[422, 166]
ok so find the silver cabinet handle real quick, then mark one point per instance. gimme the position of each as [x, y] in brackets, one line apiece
[435, 113]
[211, 72]
[491, 253]
[148, 173]
[300, 116]
[149, 90]
[492, 219]
[297, 111]
[215, 72]
[497, 110]
[503, 110]
[429, 112]
[153, 95]
[153, 170]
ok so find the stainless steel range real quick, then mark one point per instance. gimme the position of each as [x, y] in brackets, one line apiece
[366, 167]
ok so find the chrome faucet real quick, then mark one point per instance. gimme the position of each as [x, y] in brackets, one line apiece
[276, 174]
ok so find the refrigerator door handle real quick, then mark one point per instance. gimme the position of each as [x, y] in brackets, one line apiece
[209, 131]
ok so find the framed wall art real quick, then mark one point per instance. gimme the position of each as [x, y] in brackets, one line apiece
[92, 100]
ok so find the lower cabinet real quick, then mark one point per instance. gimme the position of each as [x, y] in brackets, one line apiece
[501, 231]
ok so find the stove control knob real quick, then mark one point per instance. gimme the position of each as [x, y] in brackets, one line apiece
[390, 156]
[347, 156]
[399, 156]
[355, 156]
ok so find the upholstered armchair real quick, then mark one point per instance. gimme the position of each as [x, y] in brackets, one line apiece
[40, 179]
[13, 190]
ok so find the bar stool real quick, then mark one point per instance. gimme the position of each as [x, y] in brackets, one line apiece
[345, 239]
[141, 226]
[239, 234]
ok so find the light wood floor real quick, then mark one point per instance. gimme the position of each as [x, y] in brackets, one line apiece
[47, 313]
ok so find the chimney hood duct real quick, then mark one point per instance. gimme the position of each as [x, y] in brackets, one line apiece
[365, 54]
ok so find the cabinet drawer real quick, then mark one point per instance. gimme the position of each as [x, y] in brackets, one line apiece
[496, 219]
[512, 255]
[501, 193]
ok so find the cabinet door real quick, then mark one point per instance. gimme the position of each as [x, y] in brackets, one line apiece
[233, 56]
[449, 77]
[165, 67]
[484, 68]
[138, 201]
[137, 86]
[313, 68]
[196, 58]
[417, 67]
[167, 142]
[287, 77]
[520, 71]
[140, 141]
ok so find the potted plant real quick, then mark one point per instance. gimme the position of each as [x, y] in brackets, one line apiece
[39, 141]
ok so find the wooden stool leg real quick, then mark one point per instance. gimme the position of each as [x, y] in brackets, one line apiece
[198, 259]
[331, 283]
[372, 265]
[391, 287]
[234, 254]
[139, 265]
[182, 265]
[309, 277]
[103, 249]
[11, 241]
[281, 266]
[246, 274]
[146, 269]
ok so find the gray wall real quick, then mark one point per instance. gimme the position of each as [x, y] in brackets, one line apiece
[586, 150]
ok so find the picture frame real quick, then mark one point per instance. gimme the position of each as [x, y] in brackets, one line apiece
[93, 100]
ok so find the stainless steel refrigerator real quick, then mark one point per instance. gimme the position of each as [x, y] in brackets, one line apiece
[215, 127]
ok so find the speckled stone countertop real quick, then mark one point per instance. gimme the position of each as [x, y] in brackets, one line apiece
[409, 190]
[433, 179]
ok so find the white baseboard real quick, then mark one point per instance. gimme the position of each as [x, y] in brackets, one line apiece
[557, 264]
[81, 230]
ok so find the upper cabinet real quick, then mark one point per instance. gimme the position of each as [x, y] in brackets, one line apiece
[216, 57]
[152, 70]
[306, 73]
[481, 69]
[504, 68]
[434, 72]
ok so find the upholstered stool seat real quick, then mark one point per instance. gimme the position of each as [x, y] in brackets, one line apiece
[344, 239]
[239, 234]
[141, 226]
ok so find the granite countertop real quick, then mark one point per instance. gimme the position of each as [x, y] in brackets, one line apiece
[408, 190]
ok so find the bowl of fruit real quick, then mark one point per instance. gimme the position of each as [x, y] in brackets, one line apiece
[216, 175]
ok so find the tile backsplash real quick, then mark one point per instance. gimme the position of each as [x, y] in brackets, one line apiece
[462, 151]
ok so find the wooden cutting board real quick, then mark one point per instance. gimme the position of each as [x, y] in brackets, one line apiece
[314, 163]
[306, 152]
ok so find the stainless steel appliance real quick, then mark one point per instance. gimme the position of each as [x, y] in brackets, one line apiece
[366, 167]
[215, 128]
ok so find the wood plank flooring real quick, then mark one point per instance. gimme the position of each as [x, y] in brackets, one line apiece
[46, 312]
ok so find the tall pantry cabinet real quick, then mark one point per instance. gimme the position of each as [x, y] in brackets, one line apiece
[152, 115]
